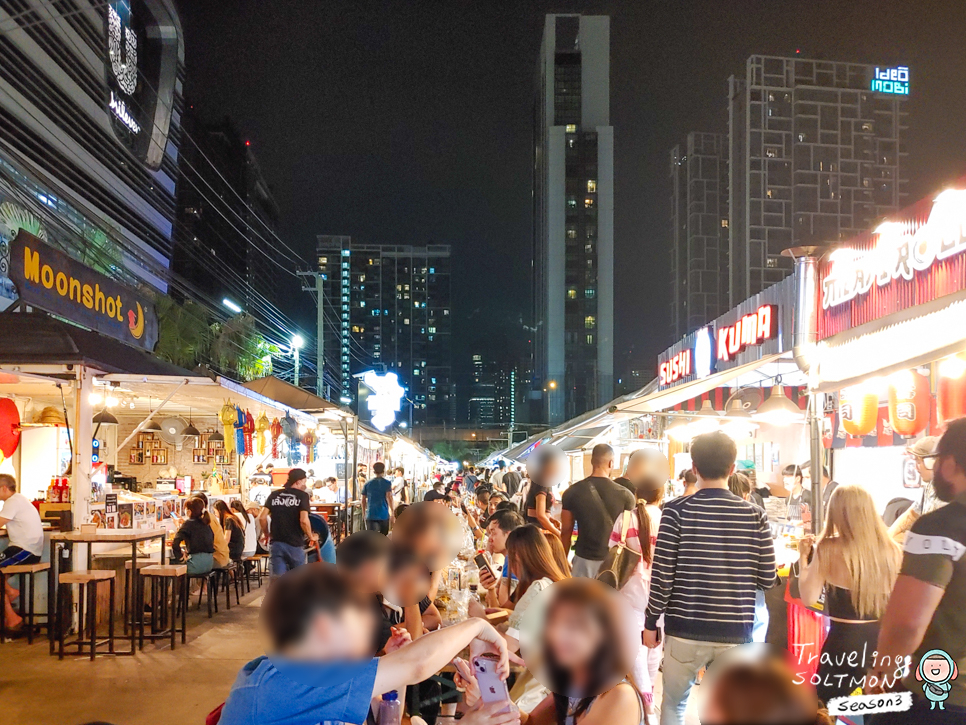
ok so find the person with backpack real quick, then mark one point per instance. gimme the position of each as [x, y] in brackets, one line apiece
[593, 504]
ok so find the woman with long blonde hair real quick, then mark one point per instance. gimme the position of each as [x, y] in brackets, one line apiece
[855, 562]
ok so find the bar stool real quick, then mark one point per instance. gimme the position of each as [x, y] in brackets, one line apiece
[224, 575]
[160, 576]
[254, 567]
[27, 573]
[87, 580]
[129, 592]
[209, 581]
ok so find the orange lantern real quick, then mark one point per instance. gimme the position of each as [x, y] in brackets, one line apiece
[951, 399]
[909, 402]
[859, 410]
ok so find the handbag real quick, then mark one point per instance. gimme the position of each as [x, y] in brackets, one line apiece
[621, 561]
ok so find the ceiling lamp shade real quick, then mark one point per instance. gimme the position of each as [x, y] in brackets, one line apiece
[152, 426]
[105, 417]
[678, 429]
[190, 430]
[707, 419]
[217, 437]
[736, 410]
[778, 409]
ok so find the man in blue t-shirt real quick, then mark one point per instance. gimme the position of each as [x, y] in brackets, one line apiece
[377, 500]
[323, 670]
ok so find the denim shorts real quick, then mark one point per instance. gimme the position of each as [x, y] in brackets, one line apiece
[285, 557]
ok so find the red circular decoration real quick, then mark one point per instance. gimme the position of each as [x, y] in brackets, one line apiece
[9, 427]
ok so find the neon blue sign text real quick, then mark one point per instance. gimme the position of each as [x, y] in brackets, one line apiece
[891, 80]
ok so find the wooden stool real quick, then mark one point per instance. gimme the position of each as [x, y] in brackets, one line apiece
[129, 592]
[86, 580]
[27, 573]
[160, 576]
[225, 574]
[254, 567]
[209, 581]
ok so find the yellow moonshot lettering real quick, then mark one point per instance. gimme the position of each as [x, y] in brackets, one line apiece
[93, 298]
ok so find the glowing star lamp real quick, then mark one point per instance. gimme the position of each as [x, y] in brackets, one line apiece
[384, 403]
[779, 409]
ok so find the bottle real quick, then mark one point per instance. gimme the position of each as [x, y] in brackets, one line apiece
[52, 492]
[390, 709]
[64, 490]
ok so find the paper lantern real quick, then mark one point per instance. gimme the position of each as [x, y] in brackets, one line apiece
[858, 409]
[909, 402]
[951, 398]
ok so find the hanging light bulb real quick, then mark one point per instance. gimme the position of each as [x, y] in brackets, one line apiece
[952, 367]
[779, 409]
[679, 429]
[152, 426]
[95, 398]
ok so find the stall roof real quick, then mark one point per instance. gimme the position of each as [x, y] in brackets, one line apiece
[580, 439]
[44, 340]
[293, 396]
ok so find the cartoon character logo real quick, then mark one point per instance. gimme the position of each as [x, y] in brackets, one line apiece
[936, 670]
[135, 322]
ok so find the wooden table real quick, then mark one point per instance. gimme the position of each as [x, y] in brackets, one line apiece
[101, 536]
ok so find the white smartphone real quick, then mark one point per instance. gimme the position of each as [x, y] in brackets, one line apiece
[492, 688]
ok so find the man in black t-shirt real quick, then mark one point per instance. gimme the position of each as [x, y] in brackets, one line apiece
[511, 481]
[290, 526]
[594, 505]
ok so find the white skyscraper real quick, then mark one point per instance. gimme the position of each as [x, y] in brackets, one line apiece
[574, 217]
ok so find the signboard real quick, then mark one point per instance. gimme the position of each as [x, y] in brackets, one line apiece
[913, 258]
[891, 80]
[48, 279]
[380, 398]
[141, 65]
[758, 327]
[678, 367]
[751, 329]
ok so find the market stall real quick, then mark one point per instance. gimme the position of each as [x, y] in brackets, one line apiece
[884, 340]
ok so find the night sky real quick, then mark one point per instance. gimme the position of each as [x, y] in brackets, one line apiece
[411, 122]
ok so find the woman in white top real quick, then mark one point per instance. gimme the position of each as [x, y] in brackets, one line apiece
[641, 538]
[532, 562]
[248, 525]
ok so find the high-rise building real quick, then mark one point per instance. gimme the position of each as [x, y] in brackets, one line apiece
[492, 394]
[90, 106]
[699, 230]
[387, 308]
[816, 155]
[573, 217]
[226, 218]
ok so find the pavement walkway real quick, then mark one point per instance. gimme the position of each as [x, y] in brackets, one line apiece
[153, 687]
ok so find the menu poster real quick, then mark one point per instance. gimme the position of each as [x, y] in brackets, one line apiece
[110, 503]
[111, 521]
[125, 516]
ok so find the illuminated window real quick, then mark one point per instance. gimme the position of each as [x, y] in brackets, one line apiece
[346, 252]
[724, 223]
[771, 262]
[590, 339]
[572, 203]
[571, 233]
[588, 203]
[591, 186]
[589, 322]
[323, 260]
[590, 293]
[589, 248]
[571, 128]
[571, 294]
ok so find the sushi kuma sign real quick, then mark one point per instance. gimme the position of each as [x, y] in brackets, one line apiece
[49, 280]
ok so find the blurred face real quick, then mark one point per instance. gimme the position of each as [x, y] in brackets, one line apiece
[790, 481]
[944, 473]
[407, 585]
[300, 485]
[550, 473]
[497, 538]
[573, 635]
[346, 635]
[370, 577]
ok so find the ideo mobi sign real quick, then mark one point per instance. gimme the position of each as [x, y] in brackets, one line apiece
[50, 280]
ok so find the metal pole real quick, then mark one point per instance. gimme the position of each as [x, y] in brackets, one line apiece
[320, 336]
[355, 458]
[817, 460]
[296, 366]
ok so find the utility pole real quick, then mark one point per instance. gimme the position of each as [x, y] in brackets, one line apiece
[319, 290]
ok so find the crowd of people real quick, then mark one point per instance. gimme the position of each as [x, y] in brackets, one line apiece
[676, 570]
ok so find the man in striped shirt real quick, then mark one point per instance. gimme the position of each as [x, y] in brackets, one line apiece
[714, 550]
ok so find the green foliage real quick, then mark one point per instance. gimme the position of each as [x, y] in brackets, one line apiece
[187, 337]
[463, 450]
